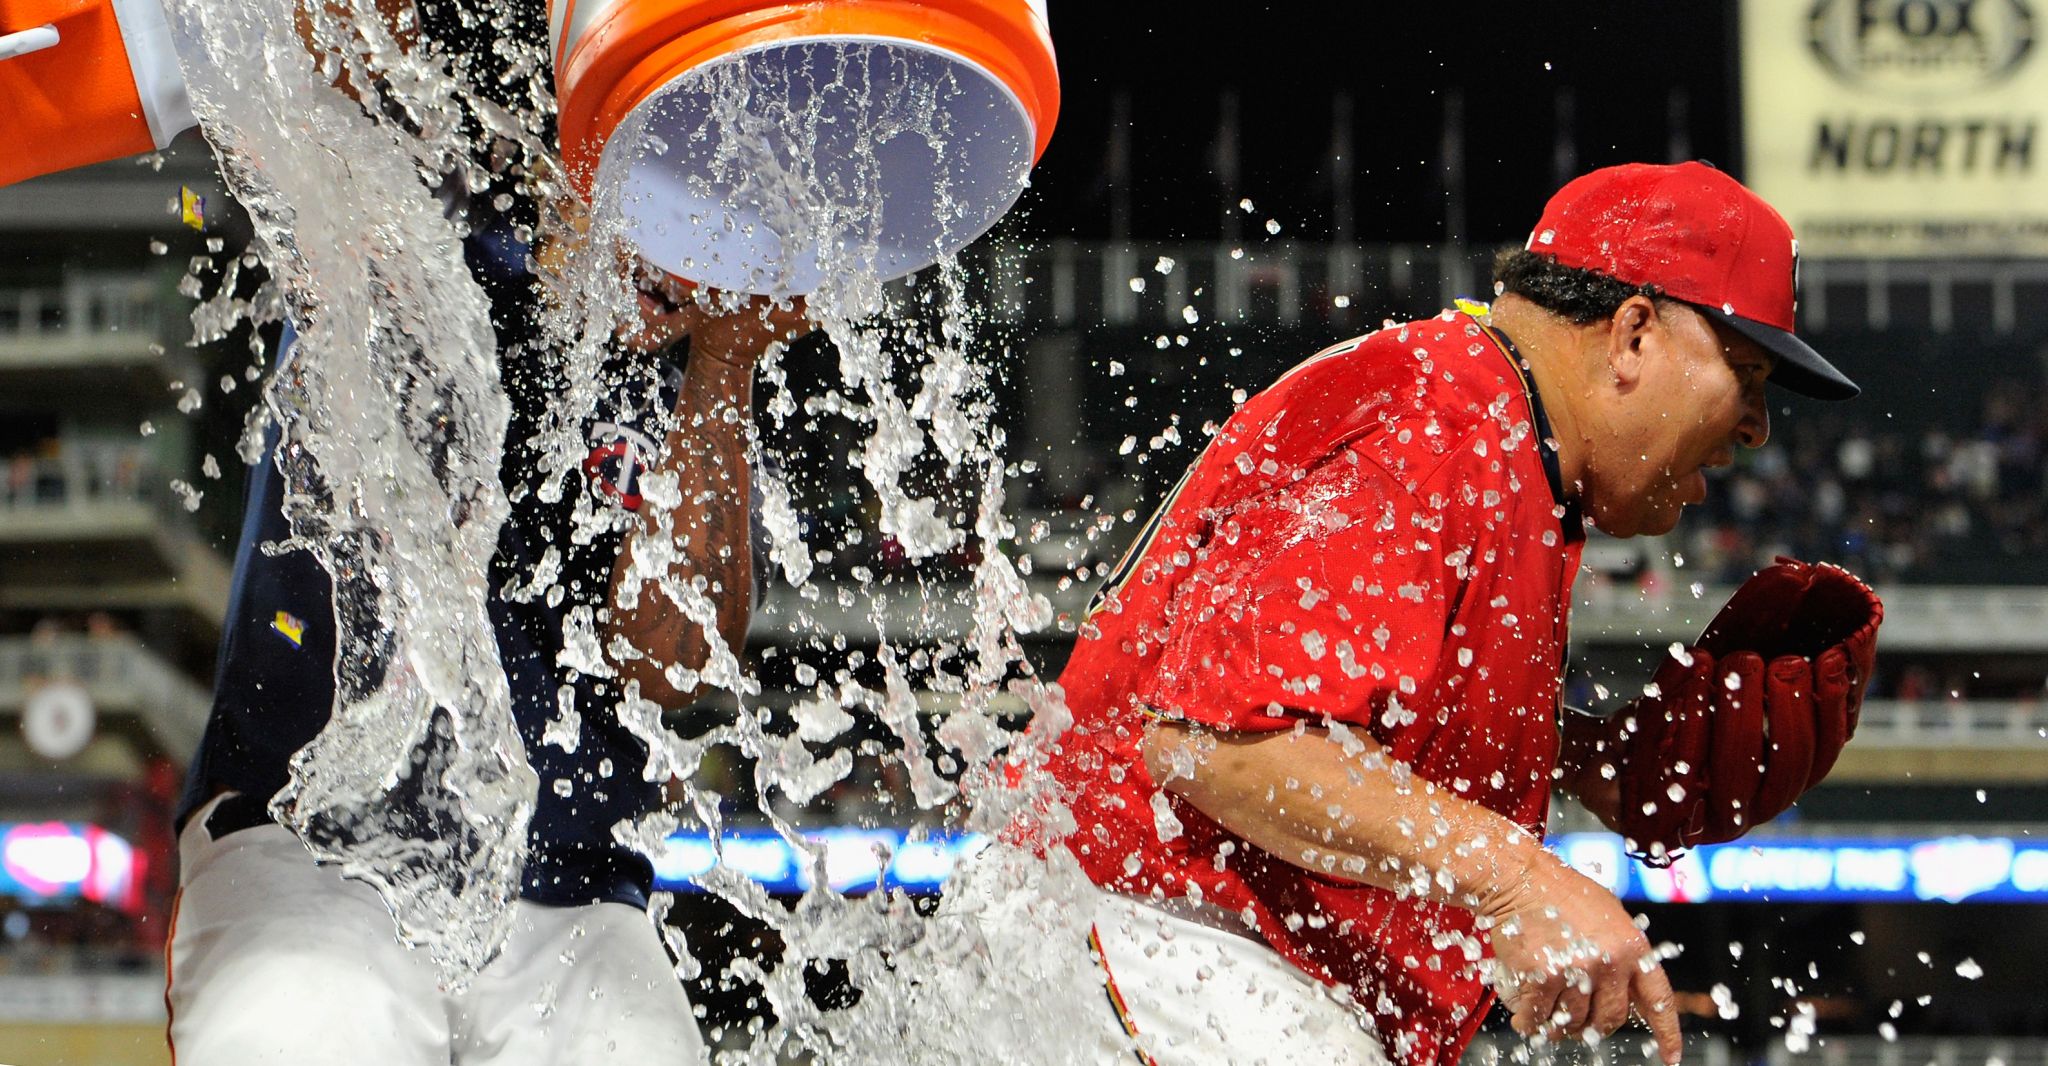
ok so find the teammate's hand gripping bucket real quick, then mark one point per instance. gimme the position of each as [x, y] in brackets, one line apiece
[759, 144]
[85, 81]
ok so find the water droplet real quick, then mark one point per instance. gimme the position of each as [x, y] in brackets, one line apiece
[188, 496]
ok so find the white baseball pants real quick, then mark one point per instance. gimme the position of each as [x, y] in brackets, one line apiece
[275, 959]
[1161, 988]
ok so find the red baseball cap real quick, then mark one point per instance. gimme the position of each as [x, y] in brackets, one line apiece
[1699, 237]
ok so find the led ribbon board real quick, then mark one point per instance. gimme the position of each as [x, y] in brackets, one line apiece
[853, 859]
[1950, 869]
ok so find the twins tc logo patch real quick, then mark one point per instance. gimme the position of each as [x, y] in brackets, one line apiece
[288, 626]
[615, 463]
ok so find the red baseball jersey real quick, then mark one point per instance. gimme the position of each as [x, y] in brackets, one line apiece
[1379, 541]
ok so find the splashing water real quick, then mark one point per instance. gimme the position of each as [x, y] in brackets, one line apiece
[927, 980]
[391, 420]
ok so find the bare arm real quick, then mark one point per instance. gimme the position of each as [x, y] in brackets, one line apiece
[704, 534]
[1576, 958]
[1295, 797]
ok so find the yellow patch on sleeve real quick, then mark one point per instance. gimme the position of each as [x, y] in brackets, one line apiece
[289, 627]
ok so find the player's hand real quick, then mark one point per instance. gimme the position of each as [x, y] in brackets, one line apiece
[733, 328]
[730, 327]
[1571, 960]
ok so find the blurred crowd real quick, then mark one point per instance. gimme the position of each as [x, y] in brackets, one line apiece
[55, 471]
[1897, 497]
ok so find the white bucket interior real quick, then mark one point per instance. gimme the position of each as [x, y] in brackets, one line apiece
[871, 185]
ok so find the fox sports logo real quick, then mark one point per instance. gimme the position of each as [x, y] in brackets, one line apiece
[1921, 49]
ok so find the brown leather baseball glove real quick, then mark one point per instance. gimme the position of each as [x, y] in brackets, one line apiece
[1732, 730]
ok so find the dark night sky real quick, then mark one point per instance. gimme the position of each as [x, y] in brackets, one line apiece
[1620, 61]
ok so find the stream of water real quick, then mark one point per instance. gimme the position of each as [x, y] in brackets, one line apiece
[393, 420]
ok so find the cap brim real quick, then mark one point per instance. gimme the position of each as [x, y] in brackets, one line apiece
[1799, 368]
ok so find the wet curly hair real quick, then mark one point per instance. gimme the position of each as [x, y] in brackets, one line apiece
[1579, 296]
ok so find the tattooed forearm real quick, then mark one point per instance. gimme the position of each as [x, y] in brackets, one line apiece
[687, 561]
[686, 569]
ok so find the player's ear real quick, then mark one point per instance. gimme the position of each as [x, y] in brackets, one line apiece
[1631, 338]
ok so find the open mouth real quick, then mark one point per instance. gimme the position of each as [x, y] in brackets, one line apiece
[654, 297]
[658, 292]
[657, 304]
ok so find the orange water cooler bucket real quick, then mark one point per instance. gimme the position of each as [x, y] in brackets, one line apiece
[85, 81]
[649, 66]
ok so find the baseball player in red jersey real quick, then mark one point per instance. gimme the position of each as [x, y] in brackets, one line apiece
[1316, 716]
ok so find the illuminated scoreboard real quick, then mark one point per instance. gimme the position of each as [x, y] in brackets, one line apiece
[57, 862]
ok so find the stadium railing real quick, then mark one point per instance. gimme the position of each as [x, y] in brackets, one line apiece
[91, 319]
[1287, 282]
[1630, 1047]
[1913, 1051]
[1934, 618]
